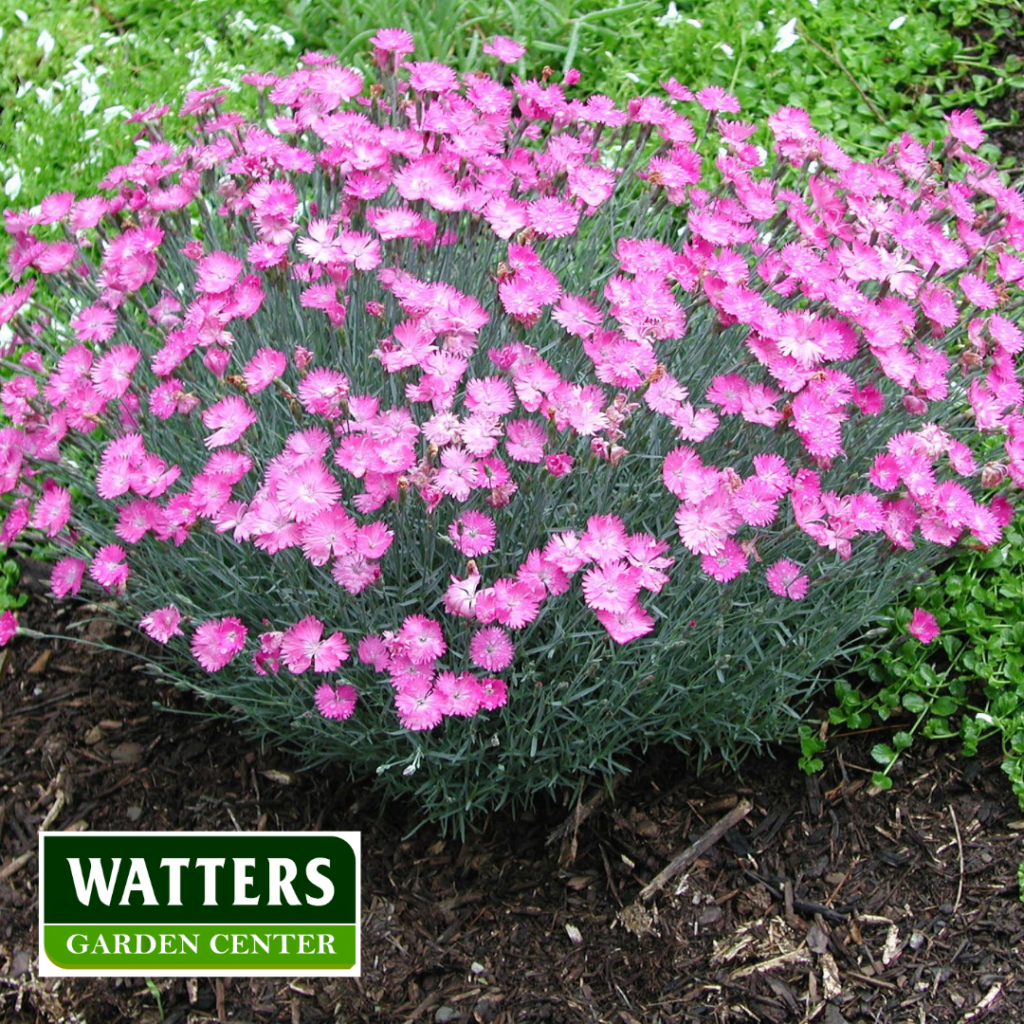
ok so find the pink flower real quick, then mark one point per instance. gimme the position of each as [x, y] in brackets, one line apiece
[231, 417]
[626, 625]
[303, 645]
[727, 563]
[508, 51]
[53, 509]
[217, 641]
[525, 441]
[8, 627]
[714, 97]
[306, 490]
[492, 649]
[162, 624]
[516, 604]
[924, 626]
[263, 369]
[495, 693]
[94, 323]
[460, 693]
[393, 40]
[963, 126]
[421, 639]
[785, 579]
[112, 375]
[108, 568]
[429, 76]
[335, 701]
[217, 273]
[611, 587]
[473, 534]
[420, 708]
[553, 217]
[66, 577]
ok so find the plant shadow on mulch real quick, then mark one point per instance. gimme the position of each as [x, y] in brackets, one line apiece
[823, 903]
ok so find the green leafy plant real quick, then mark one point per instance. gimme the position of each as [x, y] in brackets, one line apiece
[154, 989]
[968, 686]
[9, 576]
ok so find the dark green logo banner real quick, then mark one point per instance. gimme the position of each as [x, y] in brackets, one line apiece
[216, 903]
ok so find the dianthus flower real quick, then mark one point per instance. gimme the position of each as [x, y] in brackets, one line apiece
[473, 534]
[492, 649]
[303, 645]
[507, 50]
[338, 702]
[421, 639]
[8, 627]
[231, 417]
[108, 568]
[924, 626]
[162, 624]
[217, 641]
[66, 577]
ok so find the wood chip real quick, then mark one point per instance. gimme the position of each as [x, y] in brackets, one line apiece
[831, 984]
[127, 752]
[39, 665]
[689, 855]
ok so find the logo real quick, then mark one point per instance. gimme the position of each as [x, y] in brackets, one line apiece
[124, 904]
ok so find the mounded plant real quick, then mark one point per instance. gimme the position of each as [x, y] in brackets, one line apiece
[447, 426]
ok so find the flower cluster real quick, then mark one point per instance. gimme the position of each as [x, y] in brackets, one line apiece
[461, 370]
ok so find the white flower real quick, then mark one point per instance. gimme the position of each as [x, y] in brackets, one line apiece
[21, 15]
[109, 113]
[897, 22]
[726, 49]
[695, 22]
[90, 133]
[278, 34]
[786, 36]
[813, 3]
[89, 104]
[670, 18]
[13, 185]
[46, 43]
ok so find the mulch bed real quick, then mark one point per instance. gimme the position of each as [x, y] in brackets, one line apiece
[823, 902]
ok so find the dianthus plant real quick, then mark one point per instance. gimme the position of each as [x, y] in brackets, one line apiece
[448, 425]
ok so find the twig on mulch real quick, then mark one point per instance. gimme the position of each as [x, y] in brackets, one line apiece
[960, 850]
[689, 855]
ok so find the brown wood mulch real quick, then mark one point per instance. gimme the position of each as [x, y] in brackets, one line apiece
[765, 896]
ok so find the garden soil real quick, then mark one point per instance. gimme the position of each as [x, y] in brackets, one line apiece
[809, 898]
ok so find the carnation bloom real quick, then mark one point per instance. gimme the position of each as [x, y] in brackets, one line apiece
[924, 626]
[217, 641]
[335, 701]
[231, 417]
[507, 50]
[421, 639]
[162, 624]
[419, 708]
[492, 649]
[302, 645]
[8, 627]
[786, 579]
[473, 534]
[108, 568]
[66, 577]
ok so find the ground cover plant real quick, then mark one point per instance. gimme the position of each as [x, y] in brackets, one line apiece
[455, 431]
[865, 71]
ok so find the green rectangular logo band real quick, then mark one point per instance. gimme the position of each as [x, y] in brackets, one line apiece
[151, 904]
